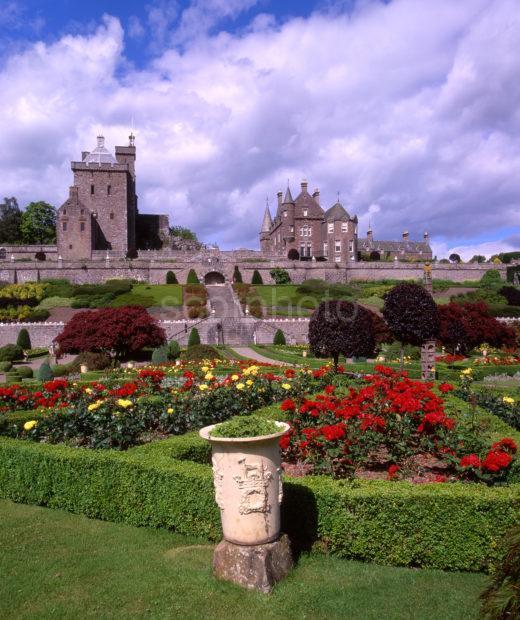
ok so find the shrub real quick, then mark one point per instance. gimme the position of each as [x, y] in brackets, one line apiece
[38, 314]
[61, 370]
[279, 337]
[341, 328]
[92, 360]
[194, 338]
[24, 372]
[23, 340]
[55, 302]
[174, 350]
[501, 599]
[491, 279]
[375, 256]
[44, 372]
[237, 276]
[5, 366]
[171, 278]
[10, 353]
[255, 308]
[160, 355]
[280, 276]
[192, 277]
[199, 352]
[293, 254]
[512, 295]
[411, 314]
[58, 288]
[193, 301]
[257, 278]
[121, 330]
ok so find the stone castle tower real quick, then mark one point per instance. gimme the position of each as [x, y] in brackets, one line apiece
[101, 211]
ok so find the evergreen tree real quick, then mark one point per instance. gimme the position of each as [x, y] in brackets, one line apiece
[257, 278]
[10, 221]
[192, 277]
[194, 338]
[237, 276]
[171, 278]
[279, 337]
[24, 340]
[44, 372]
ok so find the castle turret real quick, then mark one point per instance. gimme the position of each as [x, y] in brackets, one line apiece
[265, 237]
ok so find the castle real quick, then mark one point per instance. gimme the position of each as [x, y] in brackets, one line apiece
[101, 211]
[302, 230]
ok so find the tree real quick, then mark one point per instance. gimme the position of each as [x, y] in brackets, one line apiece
[39, 223]
[506, 257]
[455, 258]
[293, 254]
[341, 328]
[192, 277]
[174, 350]
[194, 338]
[477, 258]
[279, 337]
[160, 355]
[280, 276]
[23, 340]
[121, 331]
[171, 278]
[411, 315]
[183, 233]
[452, 332]
[10, 221]
[375, 256]
[257, 278]
[237, 276]
[382, 333]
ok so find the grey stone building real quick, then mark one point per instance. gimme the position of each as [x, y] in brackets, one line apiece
[101, 213]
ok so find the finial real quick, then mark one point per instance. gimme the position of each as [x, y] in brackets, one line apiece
[338, 195]
[131, 139]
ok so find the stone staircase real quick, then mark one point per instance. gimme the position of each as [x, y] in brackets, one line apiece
[223, 302]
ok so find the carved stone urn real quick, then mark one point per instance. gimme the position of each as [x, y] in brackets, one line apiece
[248, 485]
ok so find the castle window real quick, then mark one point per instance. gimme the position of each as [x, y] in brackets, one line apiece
[70, 246]
[111, 216]
[285, 213]
[338, 246]
[305, 212]
[351, 245]
[344, 227]
[64, 226]
[325, 249]
[292, 229]
[91, 189]
[337, 259]
[309, 249]
[331, 228]
[64, 211]
[82, 211]
[82, 227]
[109, 189]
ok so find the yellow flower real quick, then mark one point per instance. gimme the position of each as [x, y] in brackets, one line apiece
[95, 405]
[240, 386]
[31, 424]
[209, 376]
[249, 382]
[170, 410]
[286, 386]
[205, 368]
[467, 371]
[508, 400]
[88, 391]
[122, 402]
[203, 387]
[235, 377]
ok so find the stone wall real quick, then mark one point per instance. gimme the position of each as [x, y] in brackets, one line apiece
[27, 252]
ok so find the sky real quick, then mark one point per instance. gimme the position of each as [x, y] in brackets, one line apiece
[410, 109]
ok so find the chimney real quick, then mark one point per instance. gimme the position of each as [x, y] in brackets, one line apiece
[280, 198]
[426, 236]
[370, 236]
[316, 195]
[84, 155]
[304, 185]
[405, 235]
[131, 139]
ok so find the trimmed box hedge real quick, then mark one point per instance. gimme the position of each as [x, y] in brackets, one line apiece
[446, 526]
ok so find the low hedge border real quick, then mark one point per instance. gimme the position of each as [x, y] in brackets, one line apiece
[445, 526]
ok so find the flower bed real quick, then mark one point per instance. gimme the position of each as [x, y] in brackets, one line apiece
[392, 427]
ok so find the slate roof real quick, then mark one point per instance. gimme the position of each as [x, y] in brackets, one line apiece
[337, 213]
[100, 155]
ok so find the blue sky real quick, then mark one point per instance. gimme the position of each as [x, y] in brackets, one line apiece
[409, 108]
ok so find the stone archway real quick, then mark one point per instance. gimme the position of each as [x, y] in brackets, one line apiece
[214, 277]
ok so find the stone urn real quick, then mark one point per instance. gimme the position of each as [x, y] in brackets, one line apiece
[304, 354]
[83, 369]
[248, 485]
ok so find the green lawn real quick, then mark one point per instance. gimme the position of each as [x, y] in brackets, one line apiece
[162, 294]
[58, 565]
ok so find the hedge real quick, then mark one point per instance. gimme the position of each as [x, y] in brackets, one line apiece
[445, 526]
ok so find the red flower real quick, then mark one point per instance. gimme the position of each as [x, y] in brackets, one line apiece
[507, 442]
[440, 478]
[392, 472]
[329, 389]
[445, 387]
[289, 373]
[333, 431]
[496, 460]
[188, 374]
[471, 460]
[288, 405]
[285, 441]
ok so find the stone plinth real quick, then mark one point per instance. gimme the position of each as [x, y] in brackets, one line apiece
[256, 567]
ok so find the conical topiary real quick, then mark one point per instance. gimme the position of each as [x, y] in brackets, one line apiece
[257, 278]
[192, 277]
[24, 340]
[237, 276]
[171, 278]
[44, 372]
[174, 350]
[194, 338]
[279, 337]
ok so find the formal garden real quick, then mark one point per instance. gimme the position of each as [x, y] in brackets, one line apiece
[391, 481]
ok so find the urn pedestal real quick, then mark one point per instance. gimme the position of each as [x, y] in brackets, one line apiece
[248, 491]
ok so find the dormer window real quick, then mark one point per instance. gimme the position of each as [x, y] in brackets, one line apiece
[305, 213]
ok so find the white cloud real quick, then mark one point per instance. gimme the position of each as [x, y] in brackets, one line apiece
[410, 110]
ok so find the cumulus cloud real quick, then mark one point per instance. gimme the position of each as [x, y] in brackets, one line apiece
[409, 110]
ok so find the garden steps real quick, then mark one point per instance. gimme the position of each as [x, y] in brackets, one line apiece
[223, 301]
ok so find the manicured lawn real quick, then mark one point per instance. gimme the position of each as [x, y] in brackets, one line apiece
[58, 565]
[162, 294]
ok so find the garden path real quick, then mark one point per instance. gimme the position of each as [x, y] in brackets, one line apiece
[253, 355]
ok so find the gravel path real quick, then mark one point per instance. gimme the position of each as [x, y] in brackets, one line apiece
[253, 355]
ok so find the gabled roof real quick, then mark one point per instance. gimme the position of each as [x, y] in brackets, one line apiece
[404, 245]
[307, 202]
[337, 213]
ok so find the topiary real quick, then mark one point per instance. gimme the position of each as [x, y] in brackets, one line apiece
[160, 355]
[44, 372]
[5, 366]
[12, 377]
[341, 328]
[280, 276]
[237, 276]
[279, 337]
[192, 277]
[257, 278]
[61, 370]
[24, 340]
[491, 278]
[199, 352]
[10, 353]
[194, 338]
[171, 278]
[174, 350]
[25, 372]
